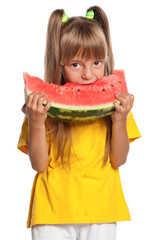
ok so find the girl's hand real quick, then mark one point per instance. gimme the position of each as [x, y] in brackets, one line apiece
[121, 111]
[34, 109]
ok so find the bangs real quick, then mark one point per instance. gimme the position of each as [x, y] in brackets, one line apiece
[83, 40]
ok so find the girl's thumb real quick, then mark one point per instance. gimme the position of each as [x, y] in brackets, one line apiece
[23, 109]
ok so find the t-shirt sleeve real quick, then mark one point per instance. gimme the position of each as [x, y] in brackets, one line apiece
[23, 139]
[132, 129]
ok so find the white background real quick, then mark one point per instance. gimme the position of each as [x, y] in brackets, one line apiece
[23, 27]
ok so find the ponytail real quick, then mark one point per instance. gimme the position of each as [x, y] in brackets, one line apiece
[61, 130]
[101, 18]
[52, 53]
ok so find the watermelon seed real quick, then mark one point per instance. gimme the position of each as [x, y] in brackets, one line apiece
[103, 89]
[112, 85]
[120, 82]
[78, 90]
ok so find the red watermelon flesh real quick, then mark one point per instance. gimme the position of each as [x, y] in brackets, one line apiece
[75, 97]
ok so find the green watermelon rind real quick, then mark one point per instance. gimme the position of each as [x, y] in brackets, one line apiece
[84, 115]
[77, 113]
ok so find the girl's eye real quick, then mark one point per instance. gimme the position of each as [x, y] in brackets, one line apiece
[97, 63]
[75, 65]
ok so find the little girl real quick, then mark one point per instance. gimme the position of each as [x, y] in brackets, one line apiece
[77, 192]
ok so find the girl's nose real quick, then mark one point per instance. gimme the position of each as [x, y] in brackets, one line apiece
[87, 73]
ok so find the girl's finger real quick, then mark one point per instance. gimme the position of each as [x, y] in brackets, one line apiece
[23, 109]
[30, 98]
[47, 106]
[124, 99]
[131, 100]
[35, 99]
[40, 102]
[118, 107]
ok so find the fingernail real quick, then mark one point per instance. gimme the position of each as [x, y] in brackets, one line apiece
[118, 93]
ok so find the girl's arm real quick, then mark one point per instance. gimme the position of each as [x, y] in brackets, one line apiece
[37, 147]
[119, 140]
[37, 144]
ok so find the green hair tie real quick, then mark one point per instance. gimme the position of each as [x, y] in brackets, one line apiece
[90, 15]
[65, 18]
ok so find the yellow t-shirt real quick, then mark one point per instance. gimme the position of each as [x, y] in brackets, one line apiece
[88, 192]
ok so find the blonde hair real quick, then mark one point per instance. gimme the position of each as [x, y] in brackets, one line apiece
[78, 36]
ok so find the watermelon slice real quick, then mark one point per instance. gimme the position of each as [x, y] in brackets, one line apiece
[75, 102]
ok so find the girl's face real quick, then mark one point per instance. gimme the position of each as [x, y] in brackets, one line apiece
[77, 70]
